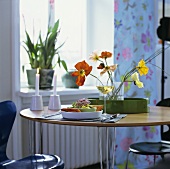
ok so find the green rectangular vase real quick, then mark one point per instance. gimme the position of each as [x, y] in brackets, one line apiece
[126, 106]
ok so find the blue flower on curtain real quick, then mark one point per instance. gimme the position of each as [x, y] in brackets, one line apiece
[147, 41]
[134, 39]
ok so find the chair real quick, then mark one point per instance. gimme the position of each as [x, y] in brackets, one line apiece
[36, 161]
[153, 148]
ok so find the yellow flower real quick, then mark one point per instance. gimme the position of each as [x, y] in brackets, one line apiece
[142, 68]
[139, 84]
[135, 78]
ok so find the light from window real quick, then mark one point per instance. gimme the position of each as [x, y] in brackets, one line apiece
[86, 25]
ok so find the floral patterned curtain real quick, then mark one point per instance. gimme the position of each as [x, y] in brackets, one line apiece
[135, 40]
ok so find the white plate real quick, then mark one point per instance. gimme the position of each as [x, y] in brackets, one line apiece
[81, 115]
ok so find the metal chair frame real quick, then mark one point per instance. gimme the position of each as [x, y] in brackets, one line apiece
[44, 161]
[146, 148]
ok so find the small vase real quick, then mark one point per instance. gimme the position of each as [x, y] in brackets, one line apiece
[68, 80]
[120, 94]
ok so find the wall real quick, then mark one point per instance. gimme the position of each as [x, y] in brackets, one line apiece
[9, 64]
[5, 50]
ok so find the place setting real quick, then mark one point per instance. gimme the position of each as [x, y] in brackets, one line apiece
[80, 110]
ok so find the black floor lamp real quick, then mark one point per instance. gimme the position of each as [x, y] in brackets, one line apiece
[163, 33]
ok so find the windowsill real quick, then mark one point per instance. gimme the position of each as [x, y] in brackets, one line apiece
[26, 92]
[67, 95]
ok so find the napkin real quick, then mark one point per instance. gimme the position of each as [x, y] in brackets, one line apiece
[108, 118]
[105, 118]
[115, 119]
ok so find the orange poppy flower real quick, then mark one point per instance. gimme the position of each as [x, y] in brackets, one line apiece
[83, 70]
[105, 55]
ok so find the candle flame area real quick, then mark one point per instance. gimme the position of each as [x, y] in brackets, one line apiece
[38, 70]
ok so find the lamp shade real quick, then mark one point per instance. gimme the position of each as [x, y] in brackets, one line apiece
[163, 31]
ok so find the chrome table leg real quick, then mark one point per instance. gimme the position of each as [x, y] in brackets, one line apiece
[110, 148]
[100, 146]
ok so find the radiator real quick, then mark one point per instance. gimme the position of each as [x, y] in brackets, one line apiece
[77, 146]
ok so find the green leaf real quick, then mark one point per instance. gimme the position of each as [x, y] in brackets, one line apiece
[56, 26]
[23, 68]
[64, 65]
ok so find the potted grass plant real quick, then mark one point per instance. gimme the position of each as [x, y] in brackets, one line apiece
[41, 55]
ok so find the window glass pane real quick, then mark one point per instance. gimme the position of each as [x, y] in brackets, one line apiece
[73, 28]
[33, 18]
[86, 25]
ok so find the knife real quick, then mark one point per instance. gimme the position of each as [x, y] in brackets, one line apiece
[50, 115]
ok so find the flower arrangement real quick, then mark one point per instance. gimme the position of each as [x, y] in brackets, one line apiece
[83, 69]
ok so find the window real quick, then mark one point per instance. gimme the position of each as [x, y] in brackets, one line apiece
[86, 25]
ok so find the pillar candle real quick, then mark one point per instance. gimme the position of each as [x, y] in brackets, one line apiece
[37, 80]
[55, 84]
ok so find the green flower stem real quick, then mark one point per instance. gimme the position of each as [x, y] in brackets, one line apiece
[97, 78]
[160, 68]
[115, 92]
[154, 55]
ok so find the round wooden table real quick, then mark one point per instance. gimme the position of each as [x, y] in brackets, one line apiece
[156, 116]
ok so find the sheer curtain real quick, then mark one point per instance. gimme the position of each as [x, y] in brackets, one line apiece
[135, 39]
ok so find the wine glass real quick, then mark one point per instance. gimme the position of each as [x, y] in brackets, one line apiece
[104, 86]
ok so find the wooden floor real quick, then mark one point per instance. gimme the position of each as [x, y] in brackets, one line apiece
[95, 166]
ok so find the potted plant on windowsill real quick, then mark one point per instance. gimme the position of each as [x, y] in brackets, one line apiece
[68, 80]
[41, 55]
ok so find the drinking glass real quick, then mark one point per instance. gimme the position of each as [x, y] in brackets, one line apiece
[104, 86]
[120, 94]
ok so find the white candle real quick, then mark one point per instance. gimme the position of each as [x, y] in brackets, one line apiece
[55, 84]
[37, 80]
